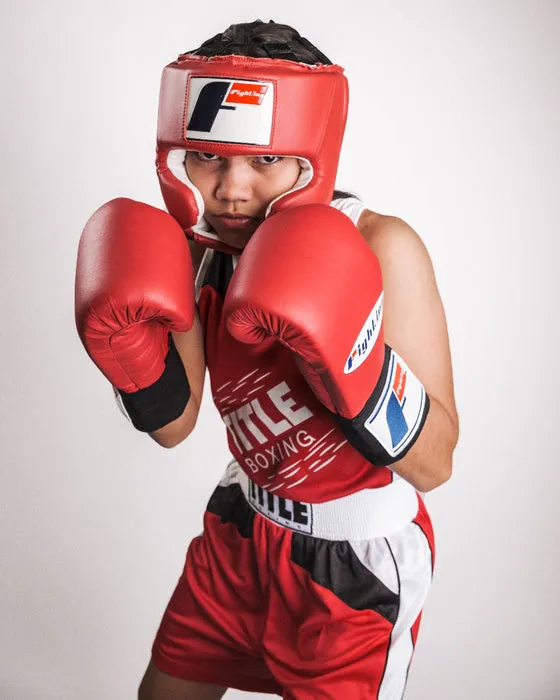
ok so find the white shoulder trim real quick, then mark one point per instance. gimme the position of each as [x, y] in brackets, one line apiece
[206, 258]
[351, 206]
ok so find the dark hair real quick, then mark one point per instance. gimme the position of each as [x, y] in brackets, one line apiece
[342, 194]
[262, 40]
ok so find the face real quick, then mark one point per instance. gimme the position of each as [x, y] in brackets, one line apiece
[237, 190]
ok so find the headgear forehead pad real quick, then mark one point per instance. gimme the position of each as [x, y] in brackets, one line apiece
[236, 105]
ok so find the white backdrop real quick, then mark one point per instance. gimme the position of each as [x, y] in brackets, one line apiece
[453, 126]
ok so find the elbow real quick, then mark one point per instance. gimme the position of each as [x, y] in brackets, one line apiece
[443, 469]
[172, 434]
[434, 466]
[167, 442]
[436, 478]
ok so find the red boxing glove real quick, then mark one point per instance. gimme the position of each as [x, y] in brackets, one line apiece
[308, 277]
[134, 284]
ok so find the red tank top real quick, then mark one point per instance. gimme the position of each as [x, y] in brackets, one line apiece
[280, 434]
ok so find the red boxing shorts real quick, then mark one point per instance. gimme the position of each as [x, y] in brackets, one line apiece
[265, 604]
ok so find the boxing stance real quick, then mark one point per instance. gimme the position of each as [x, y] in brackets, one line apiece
[325, 339]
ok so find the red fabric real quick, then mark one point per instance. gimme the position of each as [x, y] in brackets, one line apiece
[243, 615]
[247, 378]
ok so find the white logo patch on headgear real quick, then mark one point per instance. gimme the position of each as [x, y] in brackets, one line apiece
[230, 110]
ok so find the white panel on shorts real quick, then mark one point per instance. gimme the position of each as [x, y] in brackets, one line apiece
[376, 556]
[403, 562]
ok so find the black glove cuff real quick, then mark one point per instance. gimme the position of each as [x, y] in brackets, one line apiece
[364, 440]
[163, 401]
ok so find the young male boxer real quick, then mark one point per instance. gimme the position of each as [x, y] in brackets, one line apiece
[324, 334]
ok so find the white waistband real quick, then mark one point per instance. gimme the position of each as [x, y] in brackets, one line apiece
[361, 516]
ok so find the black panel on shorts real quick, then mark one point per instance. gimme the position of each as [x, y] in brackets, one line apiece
[219, 272]
[336, 567]
[231, 505]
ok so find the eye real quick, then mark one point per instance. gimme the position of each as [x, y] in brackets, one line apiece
[206, 156]
[268, 160]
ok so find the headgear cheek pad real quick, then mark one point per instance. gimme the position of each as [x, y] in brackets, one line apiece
[236, 105]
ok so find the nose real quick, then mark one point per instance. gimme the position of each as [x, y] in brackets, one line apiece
[234, 181]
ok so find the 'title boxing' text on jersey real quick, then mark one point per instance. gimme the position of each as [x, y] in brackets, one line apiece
[278, 431]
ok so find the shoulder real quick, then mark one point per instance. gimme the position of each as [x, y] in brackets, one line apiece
[395, 243]
[382, 231]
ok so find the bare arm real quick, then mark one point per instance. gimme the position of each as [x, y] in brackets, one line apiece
[416, 328]
[190, 346]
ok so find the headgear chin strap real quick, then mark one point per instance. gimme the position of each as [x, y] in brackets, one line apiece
[236, 105]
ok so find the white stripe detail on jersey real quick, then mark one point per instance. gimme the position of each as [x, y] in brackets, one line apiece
[200, 275]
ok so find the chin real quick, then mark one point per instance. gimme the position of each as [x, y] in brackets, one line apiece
[235, 240]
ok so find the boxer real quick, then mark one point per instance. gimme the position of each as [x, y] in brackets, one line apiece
[324, 335]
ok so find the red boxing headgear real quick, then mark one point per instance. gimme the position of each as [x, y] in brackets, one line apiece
[236, 105]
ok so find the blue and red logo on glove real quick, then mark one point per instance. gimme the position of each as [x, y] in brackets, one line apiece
[398, 415]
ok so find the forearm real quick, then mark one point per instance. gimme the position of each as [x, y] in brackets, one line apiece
[190, 347]
[428, 464]
[173, 433]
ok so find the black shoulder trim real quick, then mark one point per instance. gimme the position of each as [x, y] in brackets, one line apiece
[219, 272]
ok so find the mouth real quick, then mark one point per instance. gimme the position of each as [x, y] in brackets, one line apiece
[235, 220]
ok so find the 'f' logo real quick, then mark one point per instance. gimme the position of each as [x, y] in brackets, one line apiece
[230, 111]
[209, 103]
